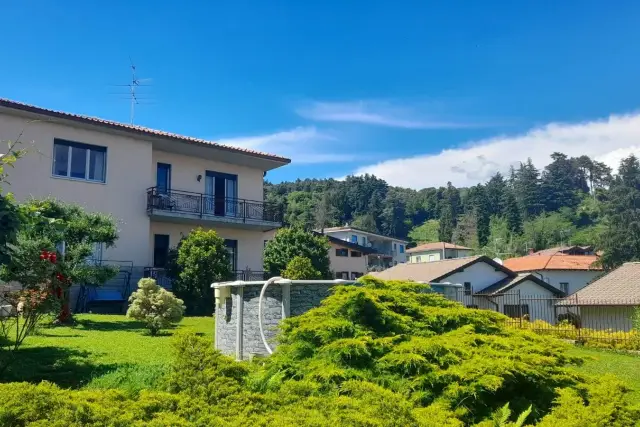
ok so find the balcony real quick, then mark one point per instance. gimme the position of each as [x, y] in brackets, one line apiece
[185, 206]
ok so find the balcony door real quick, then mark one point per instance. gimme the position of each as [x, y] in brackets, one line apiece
[221, 191]
[163, 178]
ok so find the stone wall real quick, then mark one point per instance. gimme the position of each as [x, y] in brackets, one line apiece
[302, 299]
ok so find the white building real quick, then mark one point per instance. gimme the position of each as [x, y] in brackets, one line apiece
[436, 251]
[610, 301]
[485, 284]
[568, 273]
[387, 251]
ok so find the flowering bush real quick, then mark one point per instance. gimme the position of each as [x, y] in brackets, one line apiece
[155, 306]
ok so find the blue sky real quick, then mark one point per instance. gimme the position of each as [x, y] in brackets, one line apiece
[416, 92]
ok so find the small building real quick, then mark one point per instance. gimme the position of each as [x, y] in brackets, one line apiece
[486, 284]
[348, 260]
[387, 251]
[610, 301]
[436, 251]
[568, 273]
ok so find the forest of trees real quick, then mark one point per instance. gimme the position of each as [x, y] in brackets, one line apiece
[573, 200]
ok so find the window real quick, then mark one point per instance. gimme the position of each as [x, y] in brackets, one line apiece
[363, 240]
[472, 306]
[356, 254]
[432, 258]
[467, 288]
[394, 247]
[79, 161]
[232, 248]
[342, 252]
[564, 287]
[401, 249]
[355, 275]
[344, 275]
[96, 255]
[160, 250]
[418, 258]
[354, 238]
[516, 311]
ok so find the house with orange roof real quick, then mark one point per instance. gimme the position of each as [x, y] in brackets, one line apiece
[568, 273]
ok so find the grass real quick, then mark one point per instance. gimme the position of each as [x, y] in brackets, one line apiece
[101, 351]
[601, 362]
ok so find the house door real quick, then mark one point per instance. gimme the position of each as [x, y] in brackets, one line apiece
[163, 178]
[220, 194]
[160, 250]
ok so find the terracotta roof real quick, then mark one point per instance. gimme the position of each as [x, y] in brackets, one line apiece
[436, 245]
[135, 129]
[435, 270]
[564, 250]
[619, 287]
[558, 261]
[510, 282]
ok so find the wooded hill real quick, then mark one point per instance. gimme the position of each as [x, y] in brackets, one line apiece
[573, 200]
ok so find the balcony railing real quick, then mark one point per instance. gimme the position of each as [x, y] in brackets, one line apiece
[204, 205]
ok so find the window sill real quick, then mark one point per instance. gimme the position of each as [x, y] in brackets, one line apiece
[68, 178]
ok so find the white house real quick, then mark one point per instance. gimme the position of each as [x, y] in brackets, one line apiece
[387, 251]
[568, 273]
[485, 284]
[436, 251]
[610, 301]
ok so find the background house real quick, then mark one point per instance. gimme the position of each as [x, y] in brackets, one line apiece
[436, 251]
[486, 284]
[610, 301]
[568, 273]
[348, 260]
[387, 251]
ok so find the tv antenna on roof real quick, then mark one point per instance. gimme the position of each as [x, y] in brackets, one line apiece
[132, 95]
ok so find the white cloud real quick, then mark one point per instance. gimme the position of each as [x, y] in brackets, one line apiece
[301, 144]
[375, 113]
[607, 140]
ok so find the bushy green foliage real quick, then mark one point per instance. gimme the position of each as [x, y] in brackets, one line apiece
[202, 259]
[155, 306]
[378, 354]
[293, 242]
[427, 232]
[301, 268]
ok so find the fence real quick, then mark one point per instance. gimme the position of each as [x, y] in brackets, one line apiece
[585, 320]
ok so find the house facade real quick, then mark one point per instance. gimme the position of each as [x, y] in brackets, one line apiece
[609, 303]
[386, 251]
[486, 284]
[568, 273]
[436, 251]
[157, 185]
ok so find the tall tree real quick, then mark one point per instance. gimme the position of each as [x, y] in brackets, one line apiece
[393, 215]
[299, 210]
[447, 223]
[482, 214]
[561, 182]
[466, 231]
[290, 243]
[621, 240]
[512, 212]
[526, 186]
[495, 189]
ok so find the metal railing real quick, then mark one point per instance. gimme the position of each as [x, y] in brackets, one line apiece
[212, 206]
[583, 320]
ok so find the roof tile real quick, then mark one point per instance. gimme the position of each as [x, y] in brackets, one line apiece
[619, 287]
[140, 130]
[557, 261]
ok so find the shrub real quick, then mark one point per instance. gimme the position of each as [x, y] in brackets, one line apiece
[155, 306]
[300, 268]
[292, 242]
[202, 259]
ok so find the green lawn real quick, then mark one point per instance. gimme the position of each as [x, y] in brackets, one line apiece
[112, 351]
[601, 362]
[100, 351]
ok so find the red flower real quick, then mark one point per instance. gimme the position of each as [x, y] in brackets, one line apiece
[53, 257]
[43, 257]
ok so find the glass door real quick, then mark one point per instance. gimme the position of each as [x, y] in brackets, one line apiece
[220, 194]
[163, 178]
